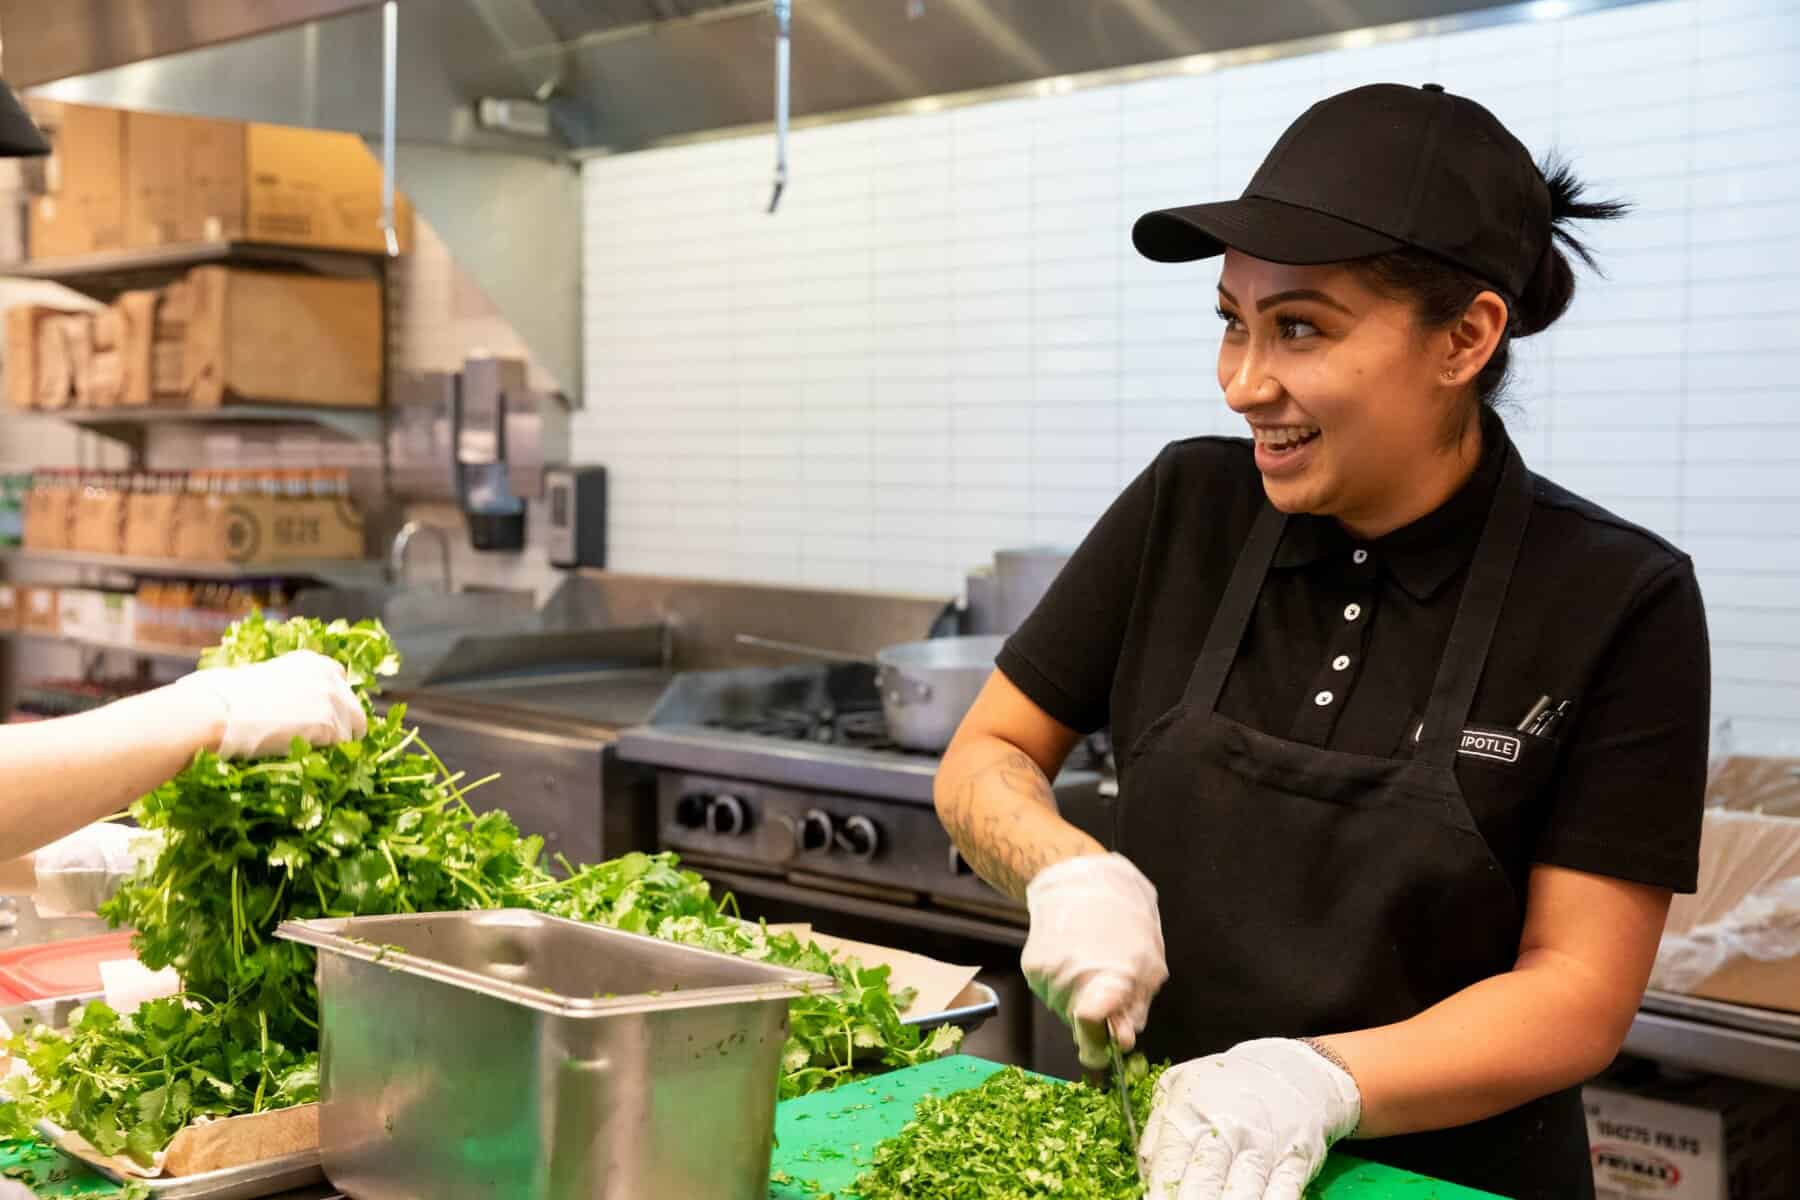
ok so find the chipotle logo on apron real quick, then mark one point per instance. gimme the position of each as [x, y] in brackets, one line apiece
[1491, 744]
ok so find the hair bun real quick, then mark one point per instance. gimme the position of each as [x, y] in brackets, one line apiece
[1547, 293]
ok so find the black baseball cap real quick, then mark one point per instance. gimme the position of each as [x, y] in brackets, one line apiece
[19, 136]
[1372, 170]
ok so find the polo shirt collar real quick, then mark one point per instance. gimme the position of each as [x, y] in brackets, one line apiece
[1424, 555]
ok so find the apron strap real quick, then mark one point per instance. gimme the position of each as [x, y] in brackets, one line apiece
[1233, 617]
[1477, 615]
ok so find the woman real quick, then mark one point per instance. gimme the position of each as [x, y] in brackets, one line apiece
[1411, 740]
[58, 776]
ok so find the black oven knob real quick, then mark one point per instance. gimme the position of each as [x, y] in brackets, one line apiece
[817, 832]
[958, 864]
[690, 811]
[727, 816]
[860, 838]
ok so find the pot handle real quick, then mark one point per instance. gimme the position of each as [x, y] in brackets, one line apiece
[902, 689]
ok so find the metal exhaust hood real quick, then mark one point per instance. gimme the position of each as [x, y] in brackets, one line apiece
[599, 76]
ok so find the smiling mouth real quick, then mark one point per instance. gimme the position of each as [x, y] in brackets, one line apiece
[1278, 439]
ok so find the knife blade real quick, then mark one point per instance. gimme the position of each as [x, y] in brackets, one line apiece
[1117, 1058]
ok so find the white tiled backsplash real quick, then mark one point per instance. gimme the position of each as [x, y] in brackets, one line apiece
[943, 342]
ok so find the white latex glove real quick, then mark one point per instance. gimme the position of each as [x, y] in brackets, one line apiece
[15, 1191]
[269, 704]
[1253, 1123]
[1095, 951]
[76, 873]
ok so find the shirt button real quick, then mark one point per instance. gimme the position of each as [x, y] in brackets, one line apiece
[1322, 699]
[1360, 557]
[1341, 662]
[1352, 611]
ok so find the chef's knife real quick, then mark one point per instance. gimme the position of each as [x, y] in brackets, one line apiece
[1118, 1073]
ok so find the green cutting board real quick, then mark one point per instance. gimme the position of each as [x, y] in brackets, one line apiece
[49, 1174]
[824, 1141]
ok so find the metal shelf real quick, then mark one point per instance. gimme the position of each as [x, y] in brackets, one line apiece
[128, 425]
[346, 572]
[1758, 1044]
[179, 655]
[104, 275]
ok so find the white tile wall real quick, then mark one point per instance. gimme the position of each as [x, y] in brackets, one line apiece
[943, 342]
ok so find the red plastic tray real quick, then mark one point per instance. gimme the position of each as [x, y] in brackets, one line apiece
[53, 969]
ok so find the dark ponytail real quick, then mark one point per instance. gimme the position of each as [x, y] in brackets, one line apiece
[1552, 286]
[1441, 293]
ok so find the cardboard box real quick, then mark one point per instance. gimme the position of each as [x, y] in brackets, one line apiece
[309, 187]
[9, 606]
[79, 612]
[140, 179]
[83, 208]
[218, 175]
[1691, 1139]
[63, 359]
[260, 336]
[136, 316]
[1757, 783]
[266, 529]
[1742, 856]
[284, 185]
[95, 615]
[150, 530]
[38, 611]
[156, 179]
[106, 376]
[99, 520]
[49, 511]
[22, 321]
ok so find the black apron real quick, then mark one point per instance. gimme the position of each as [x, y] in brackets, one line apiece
[1307, 891]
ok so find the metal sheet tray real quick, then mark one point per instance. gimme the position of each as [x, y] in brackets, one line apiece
[249, 1182]
[969, 1017]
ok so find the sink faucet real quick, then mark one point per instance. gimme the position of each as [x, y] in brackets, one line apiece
[403, 539]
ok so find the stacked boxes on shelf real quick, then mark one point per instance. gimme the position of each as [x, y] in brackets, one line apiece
[221, 336]
[239, 517]
[122, 180]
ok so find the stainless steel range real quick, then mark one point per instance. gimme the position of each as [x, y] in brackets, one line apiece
[780, 784]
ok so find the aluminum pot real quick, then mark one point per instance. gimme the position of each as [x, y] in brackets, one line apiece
[1021, 577]
[927, 687]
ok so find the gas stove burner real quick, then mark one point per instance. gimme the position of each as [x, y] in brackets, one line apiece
[867, 729]
[856, 728]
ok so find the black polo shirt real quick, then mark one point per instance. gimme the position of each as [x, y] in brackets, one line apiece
[1346, 637]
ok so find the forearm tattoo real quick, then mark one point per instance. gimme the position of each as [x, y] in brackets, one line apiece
[994, 815]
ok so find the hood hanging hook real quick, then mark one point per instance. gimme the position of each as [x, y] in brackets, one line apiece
[390, 40]
[783, 15]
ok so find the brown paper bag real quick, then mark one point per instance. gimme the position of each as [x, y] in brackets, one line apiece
[214, 1146]
[937, 984]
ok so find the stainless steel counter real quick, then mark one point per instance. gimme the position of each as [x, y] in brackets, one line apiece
[1757, 1044]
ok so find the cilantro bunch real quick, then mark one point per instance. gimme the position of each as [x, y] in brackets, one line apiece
[1016, 1137]
[368, 827]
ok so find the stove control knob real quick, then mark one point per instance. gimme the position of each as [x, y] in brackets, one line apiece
[958, 864]
[690, 811]
[860, 838]
[728, 816]
[817, 831]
